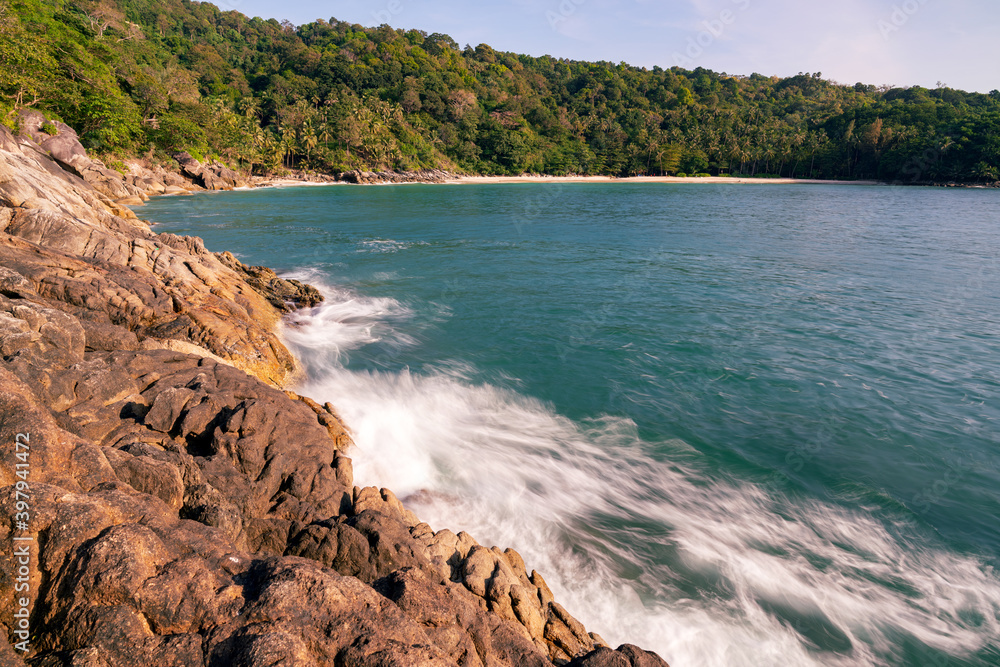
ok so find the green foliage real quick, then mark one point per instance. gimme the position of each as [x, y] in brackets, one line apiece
[177, 132]
[113, 163]
[694, 161]
[50, 129]
[174, 75]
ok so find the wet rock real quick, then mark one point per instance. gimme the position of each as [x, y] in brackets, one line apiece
[285, 295]
[626, 655]
[467, 632]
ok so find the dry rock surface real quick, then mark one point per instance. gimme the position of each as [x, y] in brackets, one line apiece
[185, 510]
[381, 177]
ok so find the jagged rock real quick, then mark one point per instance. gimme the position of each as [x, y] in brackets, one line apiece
[13, 284]
[211, 176]
[171, 179]
[79, 254]
[189, 512]
[188, 165]
[626, 655]
[469, 634]
[65, 148]
[6, 215]
[369, 177]
[285, 295]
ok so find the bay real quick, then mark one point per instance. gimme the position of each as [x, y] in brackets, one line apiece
[739, 425]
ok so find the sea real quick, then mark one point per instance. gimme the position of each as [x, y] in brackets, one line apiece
[737, 424]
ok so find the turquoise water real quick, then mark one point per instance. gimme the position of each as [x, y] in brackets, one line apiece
[740, 425]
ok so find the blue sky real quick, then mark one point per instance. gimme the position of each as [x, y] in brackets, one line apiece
[900, 42]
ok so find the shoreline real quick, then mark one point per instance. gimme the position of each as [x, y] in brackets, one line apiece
[284, 181]
[166, 451]
[469, 180]
[456, 179]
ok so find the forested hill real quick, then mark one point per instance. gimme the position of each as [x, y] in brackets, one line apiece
[153, 76]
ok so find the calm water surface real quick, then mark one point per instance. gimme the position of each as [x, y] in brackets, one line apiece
[739, 425]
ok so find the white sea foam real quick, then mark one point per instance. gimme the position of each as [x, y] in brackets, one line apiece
[346, 321]
[385, 246]
[788, 582]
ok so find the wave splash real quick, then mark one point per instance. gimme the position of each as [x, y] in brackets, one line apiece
[705, 571]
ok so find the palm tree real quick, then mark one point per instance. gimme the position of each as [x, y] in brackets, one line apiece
[288, 144]
[309, 138]
[250, 108]
[801, 139]
[985, 171]
[325, 132]
[273, 149]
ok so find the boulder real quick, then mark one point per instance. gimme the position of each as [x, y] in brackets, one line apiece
[285, 295]
[211, 176]
[626, 655]
[189, 167]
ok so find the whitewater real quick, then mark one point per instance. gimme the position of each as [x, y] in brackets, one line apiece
[803, 582]
[734, 426]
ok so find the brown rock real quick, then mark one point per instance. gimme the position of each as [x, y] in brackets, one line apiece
[626, 655]
[285, 295]
[602, 657]
[191, 513]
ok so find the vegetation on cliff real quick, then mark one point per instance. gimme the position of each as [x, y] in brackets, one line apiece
[137, 76]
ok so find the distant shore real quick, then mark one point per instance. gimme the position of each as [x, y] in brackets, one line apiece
[650, 179]
[456, 179]
[437, 177]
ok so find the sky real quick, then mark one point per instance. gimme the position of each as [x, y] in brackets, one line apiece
[882, 42]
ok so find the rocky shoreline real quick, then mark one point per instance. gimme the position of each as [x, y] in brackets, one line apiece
[178, 507]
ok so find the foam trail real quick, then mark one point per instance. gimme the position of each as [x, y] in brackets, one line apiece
[704, 571]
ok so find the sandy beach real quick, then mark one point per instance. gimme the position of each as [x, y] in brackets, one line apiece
[486, 180]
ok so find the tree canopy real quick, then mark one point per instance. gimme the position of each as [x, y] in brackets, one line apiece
[145, 76]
